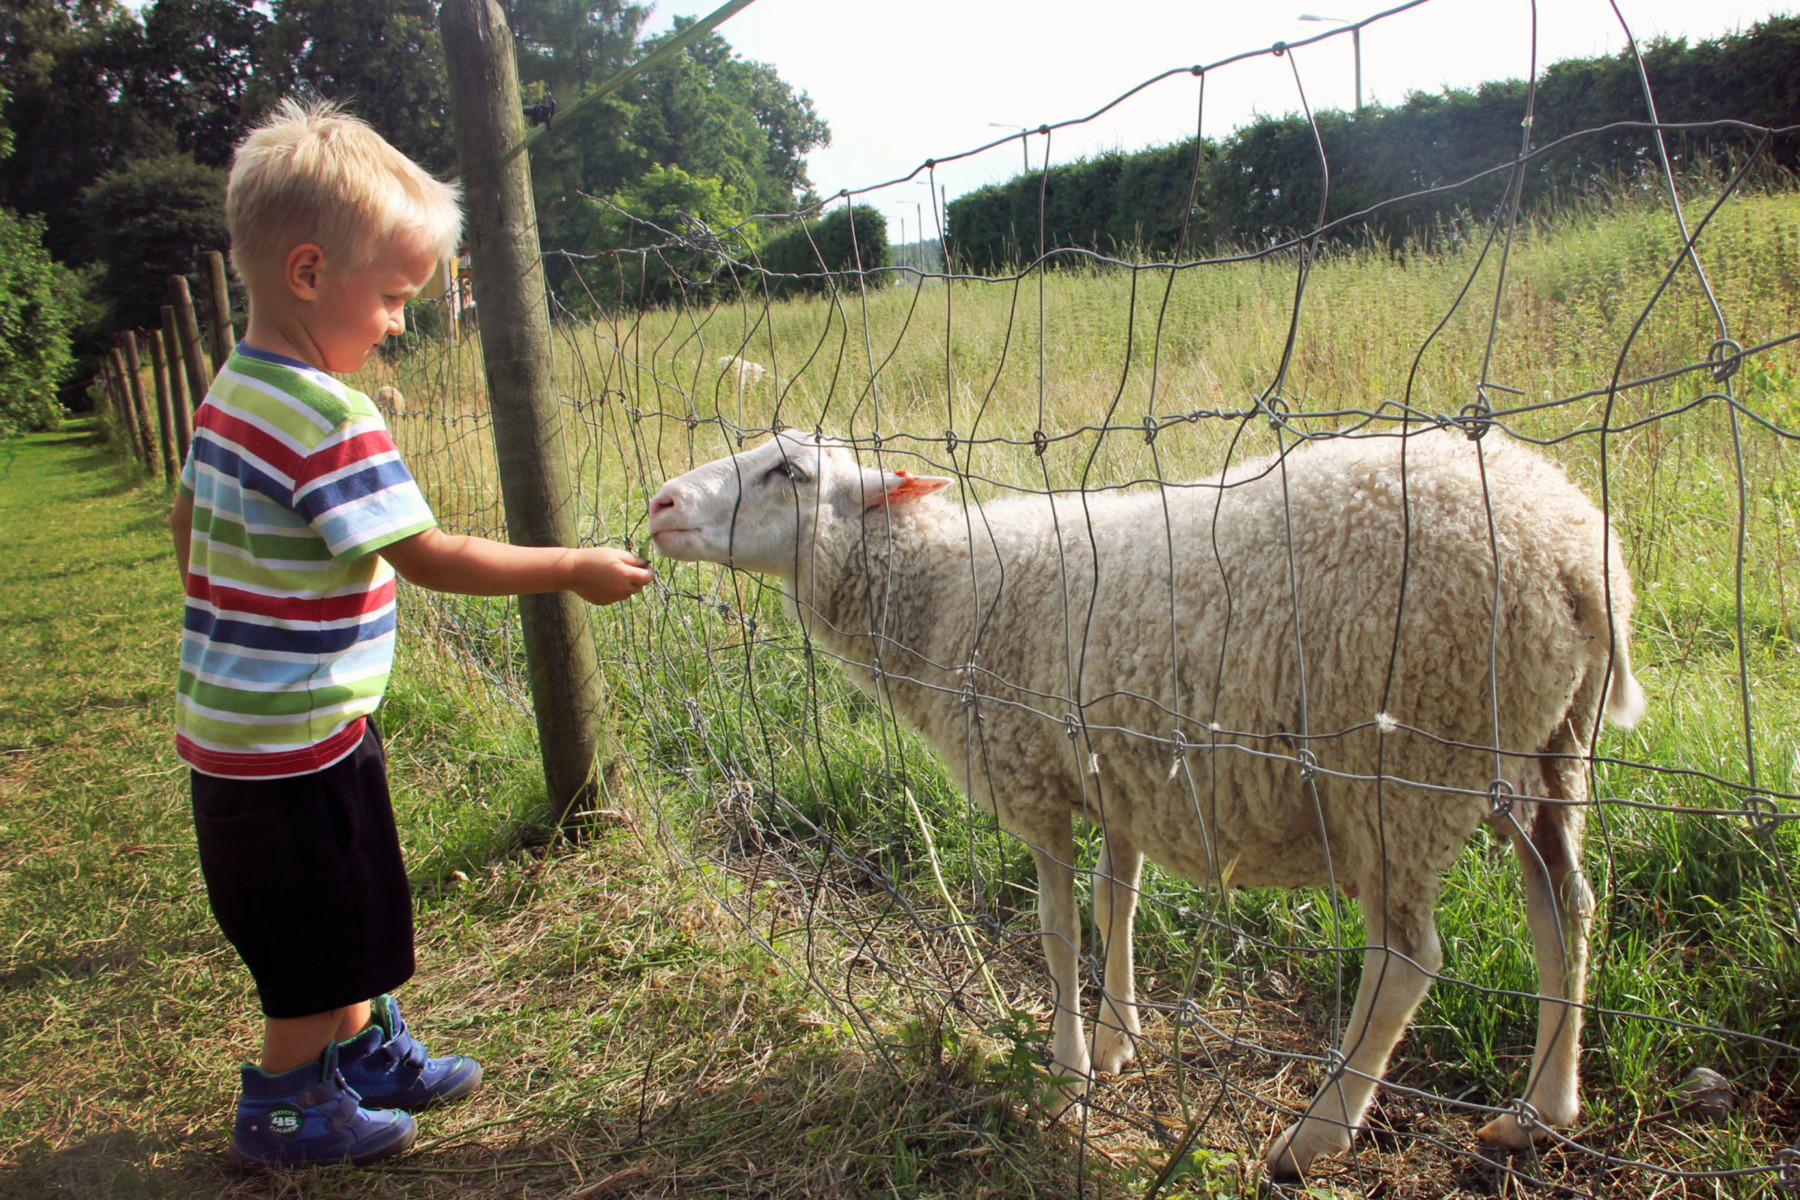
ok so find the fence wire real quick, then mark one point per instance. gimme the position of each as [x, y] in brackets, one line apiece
[1646, 345]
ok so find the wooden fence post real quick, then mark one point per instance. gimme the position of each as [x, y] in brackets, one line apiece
[178, 389]
[199, 374]
[165, 413]
[113, 367]
[140, 406]
[508, 272]
[218, 292]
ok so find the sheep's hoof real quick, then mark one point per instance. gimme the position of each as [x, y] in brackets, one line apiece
[1508, 1132]
[1113, 1048]
[1065, 1097]
[1290, 1155]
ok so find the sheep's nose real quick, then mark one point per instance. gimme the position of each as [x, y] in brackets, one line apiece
[661, 502]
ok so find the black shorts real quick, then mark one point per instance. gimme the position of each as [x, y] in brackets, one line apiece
[305, 878]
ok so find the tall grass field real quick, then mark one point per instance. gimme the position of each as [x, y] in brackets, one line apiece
[785, 958]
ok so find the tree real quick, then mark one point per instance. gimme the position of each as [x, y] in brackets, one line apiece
[145, 222]
[734, 131]
[382, 59]
[566, 48]
[66, 67]
[721, 115]
[200, 70]
[40, 301]
[665, 238]
[836, 251]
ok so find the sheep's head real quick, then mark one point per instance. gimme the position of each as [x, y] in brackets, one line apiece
[760, 509]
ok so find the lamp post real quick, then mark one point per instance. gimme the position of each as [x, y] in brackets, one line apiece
[1024, 152]
[1355, 47]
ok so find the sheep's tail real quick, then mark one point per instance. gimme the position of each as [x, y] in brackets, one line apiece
[1609, 639]
[1625, 701]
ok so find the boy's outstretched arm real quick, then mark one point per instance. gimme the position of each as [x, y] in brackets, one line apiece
[476, 566]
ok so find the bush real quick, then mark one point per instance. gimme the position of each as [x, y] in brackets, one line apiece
[39, 303]
[817, 255]
[146, 221]
[663, 239]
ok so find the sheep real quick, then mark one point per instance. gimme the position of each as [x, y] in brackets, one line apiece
[390, 400]
[1221, 672]
[741, 372]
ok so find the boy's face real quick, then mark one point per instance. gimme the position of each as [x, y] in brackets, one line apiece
[355, 310]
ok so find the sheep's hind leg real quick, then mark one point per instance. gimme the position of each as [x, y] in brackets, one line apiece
[1057, 918]
[1401, 958]
[1115, 881]
[1558, 907]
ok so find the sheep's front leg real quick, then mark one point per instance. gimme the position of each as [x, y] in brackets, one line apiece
[1402, 956]
[1055, 855]
[1115, 881]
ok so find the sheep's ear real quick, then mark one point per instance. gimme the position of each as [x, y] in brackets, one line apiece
[898, 487]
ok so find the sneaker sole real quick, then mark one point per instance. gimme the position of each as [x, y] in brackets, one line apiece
[250, 1164]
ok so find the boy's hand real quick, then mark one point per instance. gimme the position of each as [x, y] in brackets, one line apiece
[606, 575]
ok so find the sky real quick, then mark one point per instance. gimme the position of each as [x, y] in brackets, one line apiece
[901, 83]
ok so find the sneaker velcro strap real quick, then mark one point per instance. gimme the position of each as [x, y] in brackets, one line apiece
[343, 1112]
[411, 1064]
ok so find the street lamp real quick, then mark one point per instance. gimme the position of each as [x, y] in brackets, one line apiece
[1024, 153]
[901, 245]
[1355, 47]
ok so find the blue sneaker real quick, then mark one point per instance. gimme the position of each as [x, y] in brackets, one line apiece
[309, 1115]
[390, 1069]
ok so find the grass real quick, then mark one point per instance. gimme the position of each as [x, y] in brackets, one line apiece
[789, 960]
[636, 1042]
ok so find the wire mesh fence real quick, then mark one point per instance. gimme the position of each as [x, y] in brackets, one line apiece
[1646, 346]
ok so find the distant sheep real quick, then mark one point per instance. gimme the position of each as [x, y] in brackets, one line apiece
[390, 400]
[741, 373]
[1189, 739]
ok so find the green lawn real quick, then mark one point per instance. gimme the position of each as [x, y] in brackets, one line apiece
[635, 1041]
[758, 973]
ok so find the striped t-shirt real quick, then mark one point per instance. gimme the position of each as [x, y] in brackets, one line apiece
[289, 632]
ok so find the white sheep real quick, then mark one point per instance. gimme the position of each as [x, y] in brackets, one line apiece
[390, 400]
[741, 372]
[1132, 658]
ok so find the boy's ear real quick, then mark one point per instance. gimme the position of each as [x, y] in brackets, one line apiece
[304, 265]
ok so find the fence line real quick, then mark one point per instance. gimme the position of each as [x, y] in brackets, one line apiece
[1658, 375]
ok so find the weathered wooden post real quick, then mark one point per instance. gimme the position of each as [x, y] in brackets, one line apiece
[199, 374]
[165, 413]
[509, 287]
[113, 367]
[178, 389]
[218, 291]
[140, 404]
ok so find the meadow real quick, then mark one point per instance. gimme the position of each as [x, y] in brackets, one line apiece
[786, 958]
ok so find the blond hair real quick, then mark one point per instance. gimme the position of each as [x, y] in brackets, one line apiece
[311, 172]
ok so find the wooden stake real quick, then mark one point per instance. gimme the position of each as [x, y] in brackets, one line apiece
[140, 406]
[218, 291]
[178, 389]
[193, 357]
[165, 413]
[515, 343]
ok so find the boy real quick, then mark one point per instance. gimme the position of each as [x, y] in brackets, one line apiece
[294, 514]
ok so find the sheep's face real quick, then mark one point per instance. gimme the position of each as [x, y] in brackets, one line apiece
[759, 510]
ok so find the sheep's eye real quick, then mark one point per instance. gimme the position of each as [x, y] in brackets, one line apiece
[787, 471]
